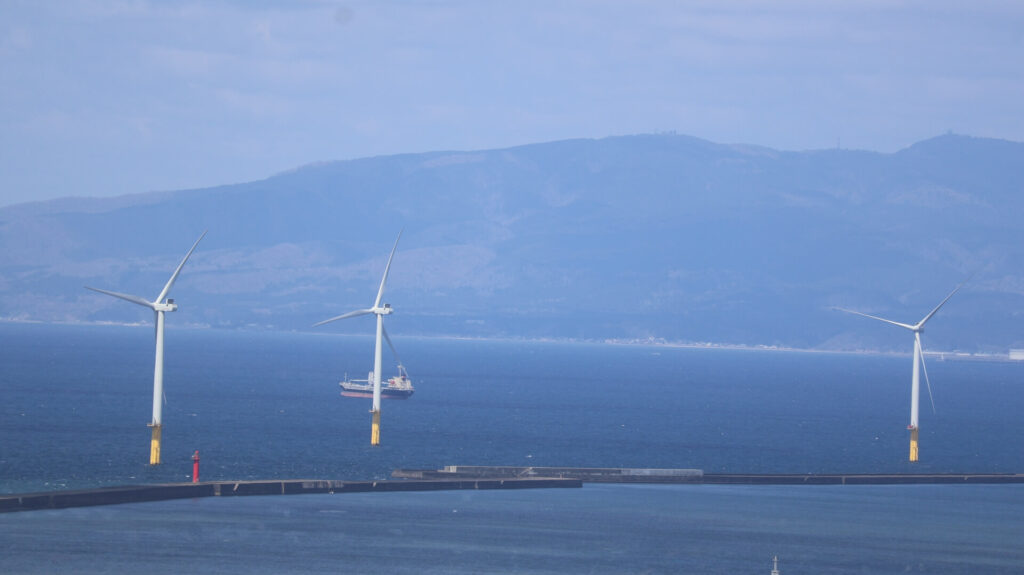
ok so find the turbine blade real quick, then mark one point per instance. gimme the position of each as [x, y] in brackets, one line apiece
[356, 313]
[924, 368]
[174, 276]
[943, 302]
[896, 323]
[387, 268]
[387, 338]
[132, 298]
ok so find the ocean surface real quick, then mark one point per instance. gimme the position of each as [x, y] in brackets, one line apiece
[76, 401]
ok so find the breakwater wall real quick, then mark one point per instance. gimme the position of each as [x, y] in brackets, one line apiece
[166, 491]
[864, 479]
[697, 476]
[586, 474]
[455, 477]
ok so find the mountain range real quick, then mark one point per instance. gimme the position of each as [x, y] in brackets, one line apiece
[647, 237]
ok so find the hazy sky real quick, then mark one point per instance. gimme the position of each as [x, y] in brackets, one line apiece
[108, 97]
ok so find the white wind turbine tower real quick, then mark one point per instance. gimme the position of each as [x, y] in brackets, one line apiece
[919, 365]
[380, 311]
[160, 305]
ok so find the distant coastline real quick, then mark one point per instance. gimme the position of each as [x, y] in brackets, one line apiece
[652, 342]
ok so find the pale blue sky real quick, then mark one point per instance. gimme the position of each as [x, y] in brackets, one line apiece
[102, 98]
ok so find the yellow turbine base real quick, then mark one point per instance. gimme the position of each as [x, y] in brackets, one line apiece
[375, 429]
[154, 446]
[913, 444]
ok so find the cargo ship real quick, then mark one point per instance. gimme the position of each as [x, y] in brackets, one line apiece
[398, 387]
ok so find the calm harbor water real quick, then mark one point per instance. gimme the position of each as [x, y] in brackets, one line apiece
[266, 405]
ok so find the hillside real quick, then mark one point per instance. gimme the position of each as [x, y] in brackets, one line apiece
[661, 236]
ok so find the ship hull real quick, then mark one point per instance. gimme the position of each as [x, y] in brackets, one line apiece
[384, 393]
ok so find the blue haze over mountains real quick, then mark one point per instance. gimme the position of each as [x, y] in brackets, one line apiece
[633, 237]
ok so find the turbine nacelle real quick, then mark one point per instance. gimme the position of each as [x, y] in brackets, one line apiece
[169, 305]
[383, 310]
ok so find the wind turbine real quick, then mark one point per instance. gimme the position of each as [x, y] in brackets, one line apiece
[380, 311]
[919, 365]
[160, 305]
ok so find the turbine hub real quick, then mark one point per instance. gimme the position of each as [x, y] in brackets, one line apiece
[383, 310]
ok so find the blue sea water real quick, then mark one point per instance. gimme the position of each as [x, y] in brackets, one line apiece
[261, 405]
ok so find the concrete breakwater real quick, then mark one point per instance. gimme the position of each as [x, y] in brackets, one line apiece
[166, 491]
[455, 477]
[697, 476]
[865, 479]
[586, 474]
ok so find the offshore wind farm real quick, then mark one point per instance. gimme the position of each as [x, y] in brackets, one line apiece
[748, 417]
[626, 232]
[514, 317]
[532, 415]
[559, 420]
